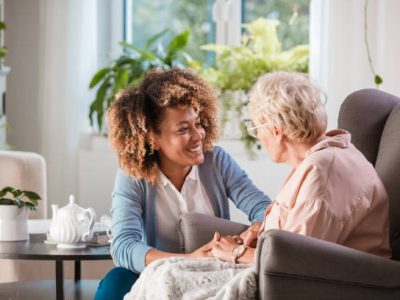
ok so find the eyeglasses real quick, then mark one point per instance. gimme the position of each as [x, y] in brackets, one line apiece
[253, 130]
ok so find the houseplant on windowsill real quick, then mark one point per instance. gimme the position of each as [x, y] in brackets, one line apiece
[14, 206]
[238, 67]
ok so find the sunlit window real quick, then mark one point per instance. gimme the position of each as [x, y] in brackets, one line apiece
[205, 19]
[293, 17]
[146, 18]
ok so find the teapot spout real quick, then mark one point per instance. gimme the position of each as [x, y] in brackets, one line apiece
[54, 208]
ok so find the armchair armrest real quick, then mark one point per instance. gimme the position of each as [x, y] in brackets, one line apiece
[293, 266]
[198, 229]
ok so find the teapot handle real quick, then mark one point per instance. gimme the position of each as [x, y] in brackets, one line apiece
[92, 216]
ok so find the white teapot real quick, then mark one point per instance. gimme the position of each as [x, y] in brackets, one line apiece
[71, 225]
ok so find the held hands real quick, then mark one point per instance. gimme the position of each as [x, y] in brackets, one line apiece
[224, 245]
[221, 247]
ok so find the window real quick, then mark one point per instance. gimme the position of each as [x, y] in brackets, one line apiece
[146, 18]
[214, 21]
[293, 16]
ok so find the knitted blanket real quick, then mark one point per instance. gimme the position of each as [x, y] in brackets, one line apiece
[195, 279]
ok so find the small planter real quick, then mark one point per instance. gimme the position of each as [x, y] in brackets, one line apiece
[13, 223]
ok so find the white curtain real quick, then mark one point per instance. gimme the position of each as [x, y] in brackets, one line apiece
[339, 61]
[68, 60]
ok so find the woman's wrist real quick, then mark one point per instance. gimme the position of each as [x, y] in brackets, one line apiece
[247, 257]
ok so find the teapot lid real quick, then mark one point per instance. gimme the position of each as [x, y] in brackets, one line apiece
[71, 206]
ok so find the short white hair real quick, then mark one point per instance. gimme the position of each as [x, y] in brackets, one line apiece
[291, 102]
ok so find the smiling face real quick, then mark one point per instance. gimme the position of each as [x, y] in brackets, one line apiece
[180, 139]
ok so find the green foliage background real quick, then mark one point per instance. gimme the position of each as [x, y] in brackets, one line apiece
[238, 66]
[279, 43]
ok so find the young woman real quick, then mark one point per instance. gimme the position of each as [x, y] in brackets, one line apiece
[163, 133]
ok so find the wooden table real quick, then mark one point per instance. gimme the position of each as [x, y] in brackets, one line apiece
[36, 249]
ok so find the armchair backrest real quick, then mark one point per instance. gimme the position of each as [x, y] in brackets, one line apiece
[373, 119]
[25, 170]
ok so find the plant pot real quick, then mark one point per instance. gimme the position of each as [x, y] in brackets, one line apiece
[13, 223]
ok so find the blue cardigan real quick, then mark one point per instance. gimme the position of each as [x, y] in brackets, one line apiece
[133, 206]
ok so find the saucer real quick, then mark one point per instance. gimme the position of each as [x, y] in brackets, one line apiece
[71, 246]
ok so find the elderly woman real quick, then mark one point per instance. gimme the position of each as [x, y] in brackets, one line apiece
[163, 133]
[332, 192]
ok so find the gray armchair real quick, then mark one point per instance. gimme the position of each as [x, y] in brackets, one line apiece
[292, 266]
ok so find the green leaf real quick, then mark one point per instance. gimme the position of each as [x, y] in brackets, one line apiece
[33, 201]
[121, 80]
[150, 41]
[99, 76]
[99, 103]
[177, 44]
[16, 193]
[144, 53]
[3, 25]
[378, 79]
[5, 190]
[122, 61]
[31, 195]
[7, 201]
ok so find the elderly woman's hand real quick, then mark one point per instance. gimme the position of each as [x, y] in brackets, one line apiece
[250, 236]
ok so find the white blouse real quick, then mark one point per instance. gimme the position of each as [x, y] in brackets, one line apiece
[170, 204]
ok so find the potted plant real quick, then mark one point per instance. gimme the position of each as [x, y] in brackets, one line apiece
[131, 67]
[238, 67]
[14, 206]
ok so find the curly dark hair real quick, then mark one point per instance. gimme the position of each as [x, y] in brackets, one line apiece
[138, 111]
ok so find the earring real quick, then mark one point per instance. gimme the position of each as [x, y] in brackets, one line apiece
[151, 152]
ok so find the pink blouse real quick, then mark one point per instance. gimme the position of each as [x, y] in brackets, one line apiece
[334, 195]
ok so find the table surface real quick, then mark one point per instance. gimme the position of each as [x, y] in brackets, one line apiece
[36, 249]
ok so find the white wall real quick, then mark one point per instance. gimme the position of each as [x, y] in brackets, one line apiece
[22, 40]
[339, 61]
[53, 54]
[50, 54]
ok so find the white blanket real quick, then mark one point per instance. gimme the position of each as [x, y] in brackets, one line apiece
[194, 279]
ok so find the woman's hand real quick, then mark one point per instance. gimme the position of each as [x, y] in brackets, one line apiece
[250, 236]
[205, 251]
[223, 248]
